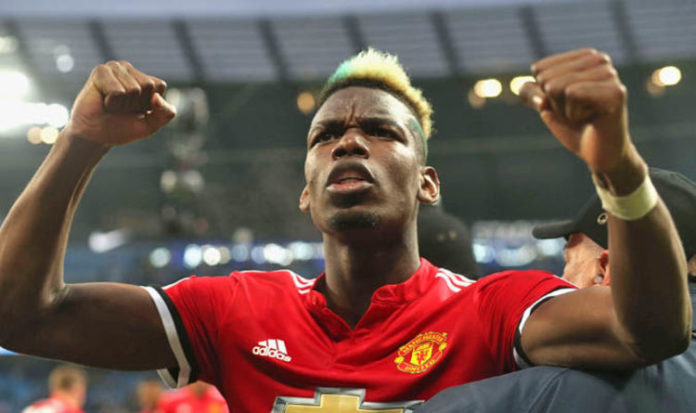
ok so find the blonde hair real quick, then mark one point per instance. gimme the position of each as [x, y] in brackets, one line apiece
[373, 68]
[66, 377]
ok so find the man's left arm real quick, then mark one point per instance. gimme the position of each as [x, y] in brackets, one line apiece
[646, 315]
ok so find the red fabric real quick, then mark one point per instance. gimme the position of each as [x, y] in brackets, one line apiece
[53, 404]
[460, 330]
[184, 401]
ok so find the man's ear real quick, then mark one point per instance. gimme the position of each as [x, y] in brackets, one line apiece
[429, 191]
[304, 200]
[603, 264]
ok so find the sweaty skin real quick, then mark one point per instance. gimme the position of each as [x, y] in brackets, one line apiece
[365, 179]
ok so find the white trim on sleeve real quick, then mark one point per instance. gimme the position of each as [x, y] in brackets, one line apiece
[174, 343]
[519, 360]
[167, 378]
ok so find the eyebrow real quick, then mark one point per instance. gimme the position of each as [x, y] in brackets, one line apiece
[369, 121]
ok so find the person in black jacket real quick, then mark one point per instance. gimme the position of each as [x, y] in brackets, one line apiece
[663, 387]
[444, 240]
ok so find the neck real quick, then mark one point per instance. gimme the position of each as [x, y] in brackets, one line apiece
[355, 270]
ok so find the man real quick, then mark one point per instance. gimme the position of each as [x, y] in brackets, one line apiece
[67, 387]
[380, 330]
[148, 394]
[586, 253]
[445, 241]
[664, 387]
[196, 397]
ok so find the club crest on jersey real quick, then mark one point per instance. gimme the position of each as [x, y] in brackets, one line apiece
[421, 353]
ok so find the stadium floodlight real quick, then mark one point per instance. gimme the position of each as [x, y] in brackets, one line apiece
[666, 76]
[15, 113]
[211, 255]
[65, 63]
[160, 257]
[306, 102]
[488, 88]
[193, 255]
[517, 82]
[13, 84]
[56, 115]
[49, 135]
[34, 135]
[8, 44]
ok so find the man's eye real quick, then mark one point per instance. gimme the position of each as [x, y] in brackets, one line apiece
[324, 137]
[385, 133]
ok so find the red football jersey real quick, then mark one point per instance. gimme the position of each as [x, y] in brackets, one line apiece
[269, 342]
[52, 405]
[185, 401]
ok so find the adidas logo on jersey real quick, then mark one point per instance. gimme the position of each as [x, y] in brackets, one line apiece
[272, 348]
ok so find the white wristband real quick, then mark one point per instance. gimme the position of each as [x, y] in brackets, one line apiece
[633, 206]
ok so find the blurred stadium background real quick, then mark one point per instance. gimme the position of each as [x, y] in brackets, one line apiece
[218, 190]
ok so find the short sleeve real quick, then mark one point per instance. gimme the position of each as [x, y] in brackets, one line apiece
[191, 310]
[504, 302]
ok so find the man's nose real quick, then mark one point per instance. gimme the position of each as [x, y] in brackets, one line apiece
[352, 143]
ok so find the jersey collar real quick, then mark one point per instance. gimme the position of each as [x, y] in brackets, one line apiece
[382, 305]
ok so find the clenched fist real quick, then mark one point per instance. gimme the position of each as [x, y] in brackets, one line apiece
[119, 104]
[582, 101]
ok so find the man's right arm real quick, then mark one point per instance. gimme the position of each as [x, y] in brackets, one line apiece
[98, 324]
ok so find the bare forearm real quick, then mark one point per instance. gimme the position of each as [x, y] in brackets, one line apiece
[648, 273]
[34, 235]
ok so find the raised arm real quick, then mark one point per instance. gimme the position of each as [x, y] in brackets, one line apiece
[646, 315]
[98, 324]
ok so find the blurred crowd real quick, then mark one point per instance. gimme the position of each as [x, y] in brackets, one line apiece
[68, 390]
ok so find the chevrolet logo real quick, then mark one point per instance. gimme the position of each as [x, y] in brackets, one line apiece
[336, 400]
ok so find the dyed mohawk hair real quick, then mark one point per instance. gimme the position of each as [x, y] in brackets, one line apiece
[372, 68]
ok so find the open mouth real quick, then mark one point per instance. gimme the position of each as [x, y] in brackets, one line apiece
[348, 184]
[347, 172]
[350, 179]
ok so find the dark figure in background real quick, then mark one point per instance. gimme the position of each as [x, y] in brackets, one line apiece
[381, 329]
[444, 240]
[665, 387]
